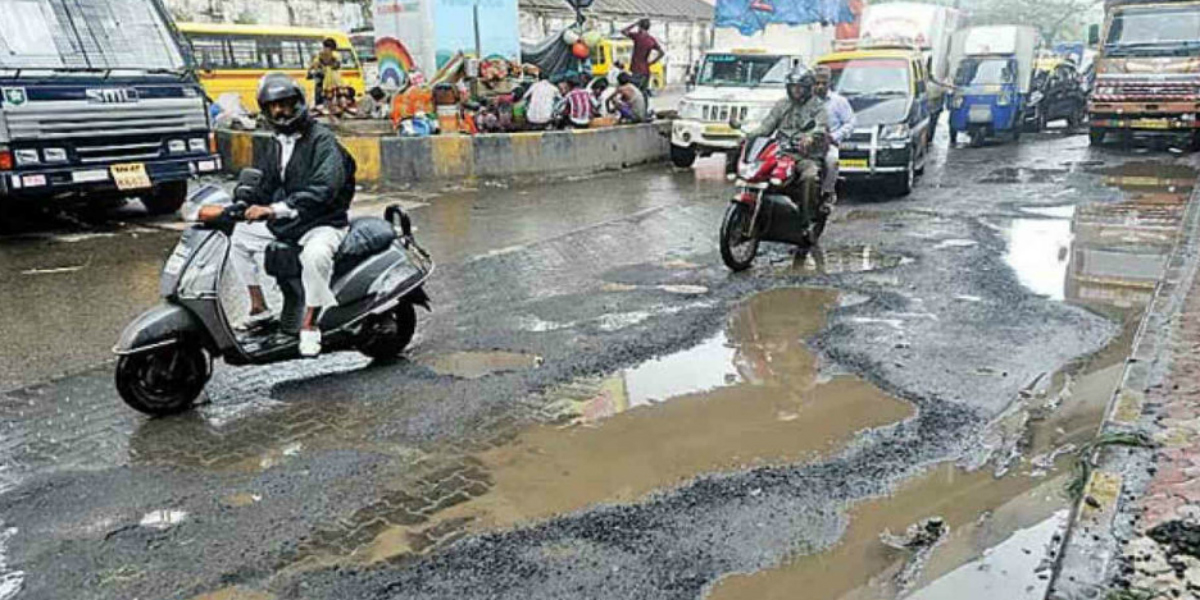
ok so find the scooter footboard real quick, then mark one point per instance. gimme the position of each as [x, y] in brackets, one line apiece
[160, 326]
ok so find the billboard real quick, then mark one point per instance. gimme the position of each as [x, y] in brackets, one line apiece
[752, 16]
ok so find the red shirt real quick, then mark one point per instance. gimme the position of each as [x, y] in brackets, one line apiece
[643, 43]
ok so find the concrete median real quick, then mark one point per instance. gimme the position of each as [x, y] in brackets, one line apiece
[396, 162]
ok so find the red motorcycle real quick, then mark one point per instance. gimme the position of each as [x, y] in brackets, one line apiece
[764, 206]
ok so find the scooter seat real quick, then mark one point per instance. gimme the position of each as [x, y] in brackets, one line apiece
[367, 237]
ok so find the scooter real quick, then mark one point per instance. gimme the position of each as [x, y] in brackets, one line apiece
[762, 209]
[166, 354]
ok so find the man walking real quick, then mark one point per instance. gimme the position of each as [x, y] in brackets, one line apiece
[644, 45]
[841, 125]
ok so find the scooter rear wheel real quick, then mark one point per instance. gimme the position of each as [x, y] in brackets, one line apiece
[385, 337]
[165, 381]
[738, 250]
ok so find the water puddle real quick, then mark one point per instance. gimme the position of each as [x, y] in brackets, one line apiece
[476, 365]
[163, 519]
[1039, 252]
[844, 259]
[1012, 175]
[753, 395]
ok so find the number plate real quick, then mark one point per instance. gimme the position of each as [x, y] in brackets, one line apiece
[1152, 123]
[130, 176]
[853, 163]
[719, 130]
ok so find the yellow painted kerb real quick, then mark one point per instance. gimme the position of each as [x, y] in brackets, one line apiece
[367, 154]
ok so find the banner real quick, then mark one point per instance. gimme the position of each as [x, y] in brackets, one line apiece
[751, 16]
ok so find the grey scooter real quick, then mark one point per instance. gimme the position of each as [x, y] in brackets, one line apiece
[166, 354]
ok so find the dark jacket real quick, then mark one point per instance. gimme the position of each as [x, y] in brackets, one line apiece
[319, 183]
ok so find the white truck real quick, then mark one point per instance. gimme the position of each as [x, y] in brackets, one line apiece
[743, 83]
[929, 27]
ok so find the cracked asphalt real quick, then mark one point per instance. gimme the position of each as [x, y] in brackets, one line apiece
[596, 407]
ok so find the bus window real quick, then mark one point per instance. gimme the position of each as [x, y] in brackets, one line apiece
[292, 55]
[210, 52]
[245, 53]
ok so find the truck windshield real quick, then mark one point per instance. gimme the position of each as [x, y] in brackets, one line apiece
[1154, 30]
[743, 71]
[871, 78]
[988, 71]
[71, 35]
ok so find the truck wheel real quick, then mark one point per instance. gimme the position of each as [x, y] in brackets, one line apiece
[683, 157]
[1096, 135]
[166, 198]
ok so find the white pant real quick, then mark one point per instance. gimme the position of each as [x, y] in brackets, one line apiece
[831, 170]
[318, 248]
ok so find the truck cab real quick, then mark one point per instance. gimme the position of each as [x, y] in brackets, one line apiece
[1148, 70]
[97, 102]
[742, 85]
[888, 89]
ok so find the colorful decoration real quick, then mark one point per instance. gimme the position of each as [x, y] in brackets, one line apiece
[396, 65]
[580, 50]
[593, 38]
[570, 36]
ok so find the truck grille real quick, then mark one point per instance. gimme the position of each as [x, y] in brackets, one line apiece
[1130, 91]
[99, 124]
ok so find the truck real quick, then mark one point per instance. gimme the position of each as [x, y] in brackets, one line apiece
[741, 82]
[1147, 70]
[98, 103]
[993, 74]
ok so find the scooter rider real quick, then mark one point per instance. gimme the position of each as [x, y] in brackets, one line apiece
[802, 119]
[304, 197]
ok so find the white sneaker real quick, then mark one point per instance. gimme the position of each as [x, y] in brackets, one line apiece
[310, 342]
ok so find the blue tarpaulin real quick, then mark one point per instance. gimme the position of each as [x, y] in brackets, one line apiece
[751, 16]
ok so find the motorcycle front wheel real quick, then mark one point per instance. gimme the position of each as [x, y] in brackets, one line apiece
[165, 381]
[739, 246]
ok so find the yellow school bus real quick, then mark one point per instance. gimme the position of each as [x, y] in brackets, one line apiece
[611, 50]
[232, 58]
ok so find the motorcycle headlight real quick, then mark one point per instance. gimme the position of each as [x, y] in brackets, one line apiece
[898, 131]
[748, 170]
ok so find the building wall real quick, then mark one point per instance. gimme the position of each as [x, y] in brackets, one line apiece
[334, 14]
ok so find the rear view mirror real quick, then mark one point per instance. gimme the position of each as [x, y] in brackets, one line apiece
[1093, 35]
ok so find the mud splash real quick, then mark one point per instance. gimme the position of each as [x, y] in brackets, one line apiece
[753, 395]
[476, 365]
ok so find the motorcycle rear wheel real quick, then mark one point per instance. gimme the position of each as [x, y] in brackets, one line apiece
[387, 336]
[165, 381]
[737, 249]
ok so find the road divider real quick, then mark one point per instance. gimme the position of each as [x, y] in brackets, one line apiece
[398, 162]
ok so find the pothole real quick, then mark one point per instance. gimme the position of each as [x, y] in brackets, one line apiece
[1011, 175]
[476, 365]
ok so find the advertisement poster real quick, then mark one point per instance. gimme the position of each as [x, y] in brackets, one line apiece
[455, 26]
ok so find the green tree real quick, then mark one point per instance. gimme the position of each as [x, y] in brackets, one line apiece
[1055, 20]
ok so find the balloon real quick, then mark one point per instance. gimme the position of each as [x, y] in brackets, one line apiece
[592, 38]
[580, 50]
[570, 36]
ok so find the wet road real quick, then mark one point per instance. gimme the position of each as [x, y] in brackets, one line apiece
[597, 408]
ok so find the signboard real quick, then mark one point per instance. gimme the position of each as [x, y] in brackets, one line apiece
[752, 16]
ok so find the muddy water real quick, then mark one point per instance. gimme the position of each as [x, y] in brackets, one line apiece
[753, 395]
[1107, 257]
[235, 593]
[474, 365]
[845, 259]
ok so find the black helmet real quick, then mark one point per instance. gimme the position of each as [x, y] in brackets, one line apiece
[800, 83]
[277, 87]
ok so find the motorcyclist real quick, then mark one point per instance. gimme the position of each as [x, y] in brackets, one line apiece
[304, 198]
[803, 122]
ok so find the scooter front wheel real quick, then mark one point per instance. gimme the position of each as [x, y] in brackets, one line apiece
[165, 381]
[386, 336]
[739, 246]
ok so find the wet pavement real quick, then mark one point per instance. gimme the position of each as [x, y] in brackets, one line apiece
[597, 408]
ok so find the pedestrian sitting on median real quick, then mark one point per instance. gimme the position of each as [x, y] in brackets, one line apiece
[629, 102]
[577, 106]
[541, 99]
[304, 198]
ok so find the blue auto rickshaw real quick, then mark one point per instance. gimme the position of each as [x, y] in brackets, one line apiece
[991, 83]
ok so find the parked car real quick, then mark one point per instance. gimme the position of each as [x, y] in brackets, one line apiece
[1057, 95]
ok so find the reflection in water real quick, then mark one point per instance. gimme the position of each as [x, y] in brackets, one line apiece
[1038, 250]
[752, 396]
[845, 259]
